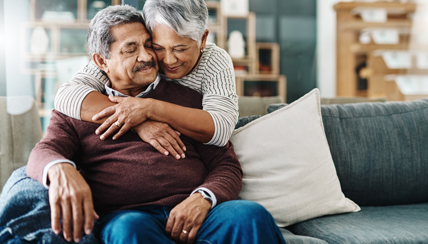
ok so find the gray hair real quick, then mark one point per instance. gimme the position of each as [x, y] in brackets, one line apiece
[188, 18]
[99, 36]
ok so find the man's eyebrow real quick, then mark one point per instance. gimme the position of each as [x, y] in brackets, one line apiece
[181, 45]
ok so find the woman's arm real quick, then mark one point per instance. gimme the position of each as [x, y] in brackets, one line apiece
[75, 95]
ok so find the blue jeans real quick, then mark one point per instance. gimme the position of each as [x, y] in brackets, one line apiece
[237, 222]
[25, 213]
[25, 218]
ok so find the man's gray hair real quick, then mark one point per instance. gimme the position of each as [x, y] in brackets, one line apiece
[99, 36]
[188, 18]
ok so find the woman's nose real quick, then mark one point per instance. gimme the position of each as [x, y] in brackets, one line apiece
[169, 58]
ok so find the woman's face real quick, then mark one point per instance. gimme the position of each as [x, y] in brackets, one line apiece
[176, 55]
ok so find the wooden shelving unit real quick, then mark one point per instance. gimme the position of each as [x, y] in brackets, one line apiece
[351, 53]
[271, 82]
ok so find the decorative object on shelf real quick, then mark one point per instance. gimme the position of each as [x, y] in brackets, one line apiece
[396, 59]
[39, 41]
[365, 37]
[234, 7]
[378, 15]
[422, 60]
[236, 45]
[386, 36]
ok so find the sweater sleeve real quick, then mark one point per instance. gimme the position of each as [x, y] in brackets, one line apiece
[72, 93]
[225, 174]
[60, 143]
[220, 98]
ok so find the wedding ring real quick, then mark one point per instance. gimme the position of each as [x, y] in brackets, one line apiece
[118, 124]
[184, 232]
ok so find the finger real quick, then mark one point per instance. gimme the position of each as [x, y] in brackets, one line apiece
[109, 132]
[192, 235]
[169, 224]
[77, 220]
[178, 139]
[55, 218]
[116, 99]
[105, 113]
[165, 144]
[177, 228]
[90, 214]
[67, 220]
[158, 147]
[122, 131]
[184, 235]
[175, 145]
[106, 124]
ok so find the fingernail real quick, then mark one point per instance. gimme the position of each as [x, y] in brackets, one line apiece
[77, 240]
[114, 138]
[68, 239]
[184, 148]
[183, 155]
[177, 156]
[97, 132]
[166, 153]
[88, 231]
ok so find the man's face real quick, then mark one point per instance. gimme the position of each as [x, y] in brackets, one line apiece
[132, 64]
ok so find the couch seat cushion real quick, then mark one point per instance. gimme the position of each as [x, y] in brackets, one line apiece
[400, 224]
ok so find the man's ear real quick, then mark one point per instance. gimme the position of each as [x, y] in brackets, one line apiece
[100, 61]
[204, 39]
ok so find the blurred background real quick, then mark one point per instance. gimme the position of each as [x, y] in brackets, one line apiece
[357, 50]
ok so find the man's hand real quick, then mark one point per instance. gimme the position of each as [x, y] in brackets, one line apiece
[71, 198]
[162, 137]
[129, 112]
[186, 218]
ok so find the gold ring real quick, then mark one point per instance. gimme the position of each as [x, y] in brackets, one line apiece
[184, 232]
[118, 124]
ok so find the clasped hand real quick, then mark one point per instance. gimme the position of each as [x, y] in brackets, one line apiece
[133, 113]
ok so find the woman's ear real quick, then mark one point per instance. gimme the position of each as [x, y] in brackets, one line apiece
[204, 39]
[100, 61]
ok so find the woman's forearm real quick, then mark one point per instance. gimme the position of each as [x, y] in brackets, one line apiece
[194, 123]
[94, 103]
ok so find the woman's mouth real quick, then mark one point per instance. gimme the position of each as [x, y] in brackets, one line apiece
[172, 69]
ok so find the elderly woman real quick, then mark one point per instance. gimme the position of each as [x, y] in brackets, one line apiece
[179, 39]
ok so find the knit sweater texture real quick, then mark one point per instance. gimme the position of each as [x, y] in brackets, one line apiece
[128, 172]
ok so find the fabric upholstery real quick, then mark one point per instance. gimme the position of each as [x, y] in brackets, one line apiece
[256, 105]
[20, 130]
[402, 224]
[378, 150]
[287, 164]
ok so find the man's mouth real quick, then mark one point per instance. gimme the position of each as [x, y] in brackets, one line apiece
[144, 66]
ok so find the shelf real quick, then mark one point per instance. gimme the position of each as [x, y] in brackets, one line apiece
[355, 25]
[392, 6]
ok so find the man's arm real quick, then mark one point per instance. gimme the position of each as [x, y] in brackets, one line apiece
[224, 180]
[69, 194]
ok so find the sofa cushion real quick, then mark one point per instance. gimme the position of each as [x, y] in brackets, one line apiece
[380, 150]
[400, 224]
[287, 164]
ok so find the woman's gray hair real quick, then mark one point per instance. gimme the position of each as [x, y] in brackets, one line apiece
[188, 18]
[99, 36]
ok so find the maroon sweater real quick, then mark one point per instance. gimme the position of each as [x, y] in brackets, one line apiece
[129, 172]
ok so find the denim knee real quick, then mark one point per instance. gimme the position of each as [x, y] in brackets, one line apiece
[246, 210]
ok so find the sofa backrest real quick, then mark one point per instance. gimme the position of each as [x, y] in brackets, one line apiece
[20, 130]
[380, 150]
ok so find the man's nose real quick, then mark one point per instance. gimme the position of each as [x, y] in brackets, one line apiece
[144, 56]
[169, 58]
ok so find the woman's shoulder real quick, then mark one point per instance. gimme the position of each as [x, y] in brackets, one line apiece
[215, 58]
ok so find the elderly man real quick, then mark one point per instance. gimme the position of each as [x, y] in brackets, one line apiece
[140, 195]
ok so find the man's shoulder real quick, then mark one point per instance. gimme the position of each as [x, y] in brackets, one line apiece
[171, 91]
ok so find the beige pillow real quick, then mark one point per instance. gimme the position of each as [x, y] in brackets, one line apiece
[288, 166]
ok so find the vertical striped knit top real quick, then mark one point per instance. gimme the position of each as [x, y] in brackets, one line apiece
[213, 77]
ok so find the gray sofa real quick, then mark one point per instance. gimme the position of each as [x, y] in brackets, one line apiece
[380, 151]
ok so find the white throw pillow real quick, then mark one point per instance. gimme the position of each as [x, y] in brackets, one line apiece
[287, 164]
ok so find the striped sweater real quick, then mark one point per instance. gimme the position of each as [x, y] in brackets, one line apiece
[213, 77]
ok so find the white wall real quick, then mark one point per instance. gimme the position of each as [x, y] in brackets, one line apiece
[326, 47]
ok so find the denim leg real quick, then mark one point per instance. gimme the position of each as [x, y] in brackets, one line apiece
[135, 226]
[25, 215]
[239, 222]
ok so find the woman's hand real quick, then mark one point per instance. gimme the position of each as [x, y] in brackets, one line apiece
[127, 113]
[162, 137]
